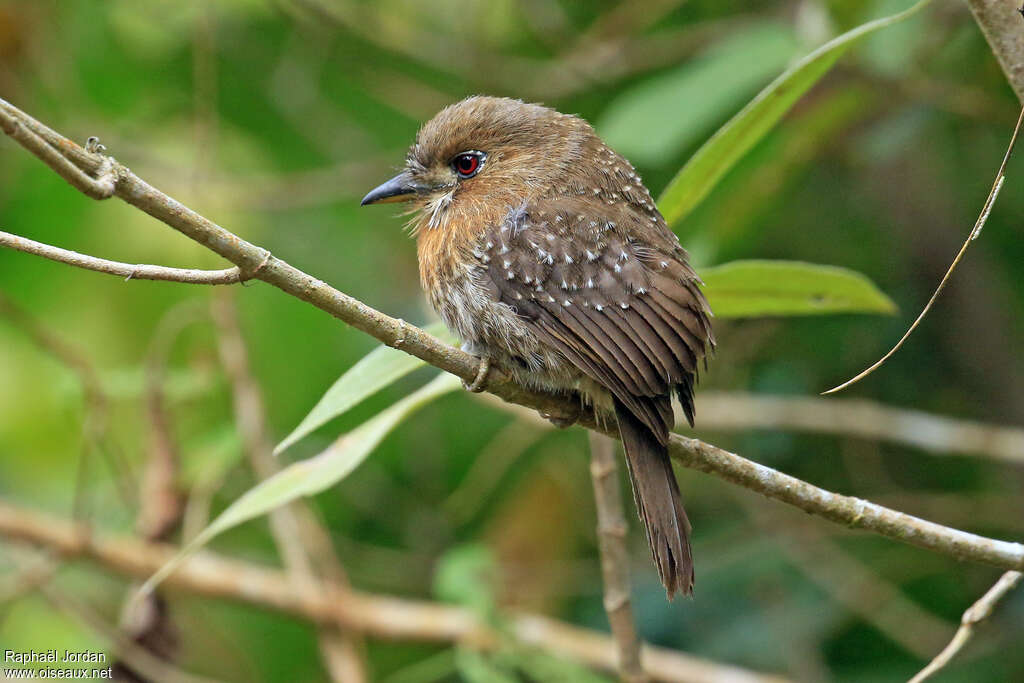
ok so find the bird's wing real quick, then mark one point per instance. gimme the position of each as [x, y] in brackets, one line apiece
[628, 315]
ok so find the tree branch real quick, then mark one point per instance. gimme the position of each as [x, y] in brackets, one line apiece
[611, 539]
[259, 263]
[975, 614]
[323, 603]
[128, 271]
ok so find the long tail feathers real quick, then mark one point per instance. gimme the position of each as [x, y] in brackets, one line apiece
[658, 502]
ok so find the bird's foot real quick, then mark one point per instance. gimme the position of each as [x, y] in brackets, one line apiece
[562, 419]
[478, 383]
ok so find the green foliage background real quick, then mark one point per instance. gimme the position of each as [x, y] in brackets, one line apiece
[274, 118]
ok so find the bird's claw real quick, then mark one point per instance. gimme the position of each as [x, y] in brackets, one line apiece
[477, 385]
[561, 420]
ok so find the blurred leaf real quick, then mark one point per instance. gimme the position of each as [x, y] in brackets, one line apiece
[742, 289]
[376, 370]
[476, 667]
[465, 575]
[541, 666]
[652, 122]
[707, 166]
[309, 477]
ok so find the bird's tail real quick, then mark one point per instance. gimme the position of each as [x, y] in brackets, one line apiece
[658, 502]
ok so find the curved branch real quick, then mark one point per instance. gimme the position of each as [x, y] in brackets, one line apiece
[399, 334]
[128, 271]
[975, 614]
[332, 604]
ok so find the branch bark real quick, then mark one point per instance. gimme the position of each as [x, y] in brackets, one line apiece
[323, 603]
[975, 614]
[128, 271]
[257, 262]
[611, 539]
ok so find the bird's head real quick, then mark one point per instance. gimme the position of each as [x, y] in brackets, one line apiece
[481, 154]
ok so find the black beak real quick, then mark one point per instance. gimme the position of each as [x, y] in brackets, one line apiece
[398, 189]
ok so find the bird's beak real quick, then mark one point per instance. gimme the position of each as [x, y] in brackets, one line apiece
[398, 189]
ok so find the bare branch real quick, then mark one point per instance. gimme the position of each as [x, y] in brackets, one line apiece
[399, 334]
[323, 603]
[1004, 31]
[97, 188]
[975, 614]
[128, 271]
[611, 540]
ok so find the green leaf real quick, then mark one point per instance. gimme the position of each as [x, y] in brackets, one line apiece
[743, 289]
[376, 370]
[651, 122]
[465, 575]
[476, 667]
[707, 166]
[309, 477]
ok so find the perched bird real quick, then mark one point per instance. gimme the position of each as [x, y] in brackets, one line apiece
[542, 249]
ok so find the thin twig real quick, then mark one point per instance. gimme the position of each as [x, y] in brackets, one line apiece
[611, 540]
[128, 271]
[301, 540]
[975, 614]
[411, 339]
[975, 231]
[386, 617]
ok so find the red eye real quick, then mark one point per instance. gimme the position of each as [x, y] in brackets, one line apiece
[468, 163]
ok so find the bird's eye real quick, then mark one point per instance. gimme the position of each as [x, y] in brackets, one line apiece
[468, 164]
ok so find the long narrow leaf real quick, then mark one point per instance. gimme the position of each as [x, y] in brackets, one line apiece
[376, 370]
[743, 289]
[707, 166]
[309, 477]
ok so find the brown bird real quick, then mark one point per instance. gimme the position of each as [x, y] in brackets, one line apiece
[542, 249]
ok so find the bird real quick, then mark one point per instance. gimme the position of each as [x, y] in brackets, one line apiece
[543, 250]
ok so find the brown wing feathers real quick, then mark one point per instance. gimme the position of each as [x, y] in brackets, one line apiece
[632, 319]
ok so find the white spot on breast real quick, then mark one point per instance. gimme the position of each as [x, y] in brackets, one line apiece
[511, 275]
[568, 259]
[507, 264]
[618, 268]
[567, 303]
[591, 256]
[624, 305]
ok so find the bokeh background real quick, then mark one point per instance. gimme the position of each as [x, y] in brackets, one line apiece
[274, 118]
